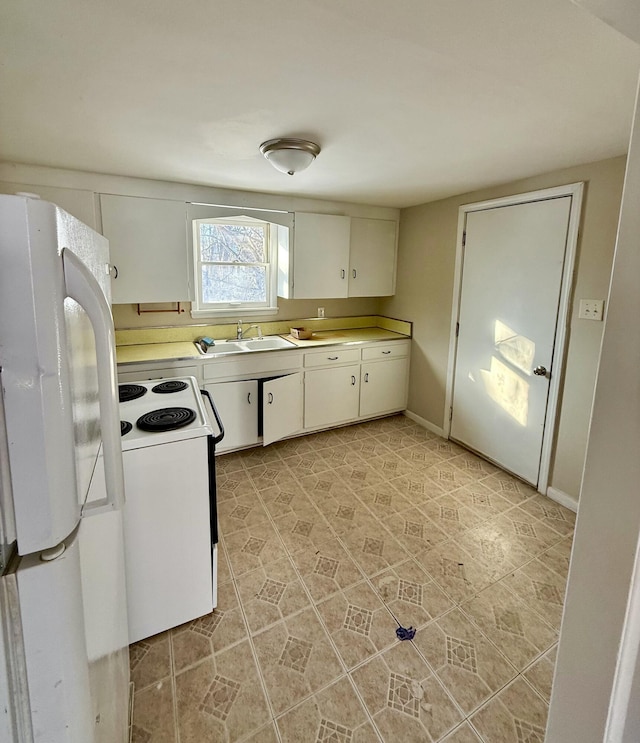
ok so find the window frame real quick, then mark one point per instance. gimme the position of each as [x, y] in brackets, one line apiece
[236, 308]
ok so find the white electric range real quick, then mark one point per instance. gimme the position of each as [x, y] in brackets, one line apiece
[170, 516]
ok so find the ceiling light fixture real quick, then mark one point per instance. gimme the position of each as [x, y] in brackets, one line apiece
[290, 155]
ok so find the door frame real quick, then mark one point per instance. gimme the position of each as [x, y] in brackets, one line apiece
[575, 190]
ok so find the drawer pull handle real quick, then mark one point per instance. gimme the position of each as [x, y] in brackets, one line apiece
[354, 273]
[332, 358]
[249, 398]
[270, 398]
[366, 377]
[386, 352]
[343, 273]
[353, 380]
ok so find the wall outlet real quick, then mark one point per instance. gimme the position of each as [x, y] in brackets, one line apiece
[591, 309]
[320, 311]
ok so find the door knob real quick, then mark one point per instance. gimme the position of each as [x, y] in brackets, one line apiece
[540, 371]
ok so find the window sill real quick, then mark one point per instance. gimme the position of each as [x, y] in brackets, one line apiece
[235, 313]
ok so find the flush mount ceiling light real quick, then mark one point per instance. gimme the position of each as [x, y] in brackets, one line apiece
[290, 155]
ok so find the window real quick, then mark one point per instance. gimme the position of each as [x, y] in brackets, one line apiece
[233, 266]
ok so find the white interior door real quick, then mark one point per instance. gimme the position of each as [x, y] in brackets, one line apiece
[511, 282]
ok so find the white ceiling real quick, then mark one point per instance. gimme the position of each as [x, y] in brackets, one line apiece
[410, 100]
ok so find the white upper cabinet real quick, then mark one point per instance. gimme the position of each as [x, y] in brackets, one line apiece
[321, 256]
[372, 259]
[148, 247]
[335, 256]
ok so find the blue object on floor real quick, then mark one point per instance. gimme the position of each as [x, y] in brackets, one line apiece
[405, 633]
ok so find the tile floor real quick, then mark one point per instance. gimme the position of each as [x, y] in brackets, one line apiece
[328, 542]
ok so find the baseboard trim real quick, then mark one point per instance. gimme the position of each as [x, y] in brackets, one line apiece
[564, 499]
[424, 423]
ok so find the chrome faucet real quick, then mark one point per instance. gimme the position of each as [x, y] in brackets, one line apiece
[241, 332]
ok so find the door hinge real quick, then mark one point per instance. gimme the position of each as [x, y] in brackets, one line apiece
[464, 238]
[457, 329]
[451, 413]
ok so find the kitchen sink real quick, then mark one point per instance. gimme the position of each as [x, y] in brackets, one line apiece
[222, 347]
[267, 343]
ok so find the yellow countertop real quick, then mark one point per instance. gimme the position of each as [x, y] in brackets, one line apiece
[185, 350]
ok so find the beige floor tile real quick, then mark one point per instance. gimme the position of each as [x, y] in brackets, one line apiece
[455, 571]
[410, 594]
[239, 513]
[305, 530]
[463, 734]
[510, 624]
[358, 475]
[398, 464]
[345, 513]
[451, 515]
[224, 627]
[540, 673]
[446, 449]
[271, 594]
[405, 700]
[482, 499]
[498, 547]
[369, 450]
[474, 464]
[228, 463]
[552, 514]
[358, 623]
[301, 445]
[265, 476]
[327, 569]
[334, 714]
[307, 463]
[150, 660]
[296, 659]
[533, 535]
[419, 457]
[414, 531]
[221, 698]
[470, 667]
[515, 714]
[153, 717]
[448, 477]
[252, 548]
[233, 485]
[373, 549]
[509, 487]
[280, 501]
[224, 570]
[318, 487]
[541, 589]
[383, 500]
[260, 455]
[417, 488]
[266, 734]
[557, 557]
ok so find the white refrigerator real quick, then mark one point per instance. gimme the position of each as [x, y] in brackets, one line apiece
[64, 673]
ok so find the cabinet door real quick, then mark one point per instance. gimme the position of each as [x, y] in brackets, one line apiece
[331, 396]
[237, 403]
[321, 256]
[372, 269]
[282, 408]
[79, 203]
[384, 386]
[148, 246]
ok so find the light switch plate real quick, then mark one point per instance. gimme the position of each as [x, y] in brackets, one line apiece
[591, 309]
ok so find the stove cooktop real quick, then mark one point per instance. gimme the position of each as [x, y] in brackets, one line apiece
[165, 411]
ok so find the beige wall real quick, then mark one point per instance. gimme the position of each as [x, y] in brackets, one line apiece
[424, 294]
[126, 315]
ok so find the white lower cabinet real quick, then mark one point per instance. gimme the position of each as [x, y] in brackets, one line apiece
[383, 386]
[237, 403]
[253, 408]
[331, 396]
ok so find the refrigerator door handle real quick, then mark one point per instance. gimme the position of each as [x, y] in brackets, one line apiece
[82, 286]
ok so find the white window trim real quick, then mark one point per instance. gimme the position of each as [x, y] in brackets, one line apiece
[237, 309]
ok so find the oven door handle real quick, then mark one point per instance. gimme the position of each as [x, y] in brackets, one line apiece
[216, 439]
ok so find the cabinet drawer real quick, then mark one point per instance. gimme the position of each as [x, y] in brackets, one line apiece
[332, 357]
[386, 351]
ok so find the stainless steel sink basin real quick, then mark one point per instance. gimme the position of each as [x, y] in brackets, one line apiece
[268, 343]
